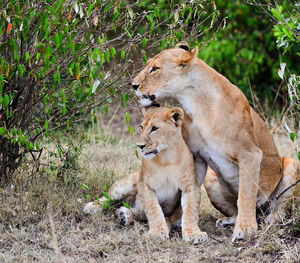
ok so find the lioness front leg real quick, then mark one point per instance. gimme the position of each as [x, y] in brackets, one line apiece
[157, 223]
[190, 202]
[118, 191]
[249, 169]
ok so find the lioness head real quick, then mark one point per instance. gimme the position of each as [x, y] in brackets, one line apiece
[164, 73]
[160, 130]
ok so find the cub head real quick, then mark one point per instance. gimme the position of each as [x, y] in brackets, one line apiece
[164, 73]
[160, 130]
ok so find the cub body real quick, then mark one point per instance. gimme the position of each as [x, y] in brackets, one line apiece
[167, 185]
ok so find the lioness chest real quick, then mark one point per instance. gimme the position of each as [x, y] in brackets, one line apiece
[165, 184]
[216, 160]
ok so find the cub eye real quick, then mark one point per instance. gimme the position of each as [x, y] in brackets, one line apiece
[153, 129]
[154, 69]
[141, 127]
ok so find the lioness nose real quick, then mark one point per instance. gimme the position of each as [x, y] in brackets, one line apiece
[141, 146]
[135, 86]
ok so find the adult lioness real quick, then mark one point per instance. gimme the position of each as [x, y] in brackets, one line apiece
[224, 132]
[168, 178]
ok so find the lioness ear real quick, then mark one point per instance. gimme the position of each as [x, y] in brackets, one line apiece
[183, 45]
[189, 59]
[175, 115]
[147, 110]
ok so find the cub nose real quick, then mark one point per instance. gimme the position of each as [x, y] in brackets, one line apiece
[141, 145]
[135, 86]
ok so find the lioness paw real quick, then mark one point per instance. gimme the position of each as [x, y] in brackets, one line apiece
[125, 216]
[241, 231]
[91, 208]
[194, 236]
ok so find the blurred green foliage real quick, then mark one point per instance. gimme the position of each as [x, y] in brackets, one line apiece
[245, 49]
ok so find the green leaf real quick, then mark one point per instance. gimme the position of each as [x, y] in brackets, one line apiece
[163, 43]
[105, 110]
[29, 146]
[46, 124]
[113, 52]
[292, 136]
[126, 205]
[106, 196]
[2, 131]
[91, 7]
[123, 54]
[20, 70]
[107, 56]
[84, 186]
[144, 59]
[137, 154]
[23, 140]
[26, 56]
[77, 69]
[5, 101]
[124, 99]
[57, 40]
[144, 42]
[276, 14]
[63, 110]
[38, 56]
[127, 117]
[130, 130]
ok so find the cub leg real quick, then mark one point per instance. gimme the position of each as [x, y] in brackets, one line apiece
[190, 202]
[220, 199]
[249, 169]
[157, 223]
[118, 191]
[290, 174]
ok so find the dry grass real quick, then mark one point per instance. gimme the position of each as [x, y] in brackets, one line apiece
[41, 217]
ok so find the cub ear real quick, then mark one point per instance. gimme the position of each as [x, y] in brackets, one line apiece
[149, 109]
[190, 58]
[183, 45]
[175, 115]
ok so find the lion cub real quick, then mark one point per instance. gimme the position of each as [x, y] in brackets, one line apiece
[167, 185]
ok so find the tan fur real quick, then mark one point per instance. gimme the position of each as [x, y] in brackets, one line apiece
[223, 132]
[167, 180]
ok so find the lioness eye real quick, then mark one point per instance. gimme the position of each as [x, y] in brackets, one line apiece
[154, 69]
[141, 127]
[153, 129]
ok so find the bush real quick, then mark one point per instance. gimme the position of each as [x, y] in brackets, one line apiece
[60, 59]
[245, 50]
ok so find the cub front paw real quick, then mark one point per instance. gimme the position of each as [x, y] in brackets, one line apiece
[159, 232]
[91, 208]
[242, 231]
[194, 236]
[125, 216]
